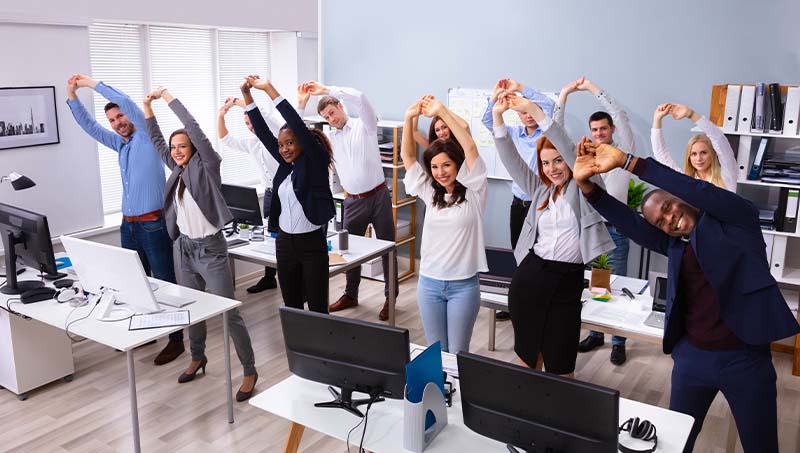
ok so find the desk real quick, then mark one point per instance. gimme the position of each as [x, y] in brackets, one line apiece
[294, 398]
[53, 317]
[361, 250]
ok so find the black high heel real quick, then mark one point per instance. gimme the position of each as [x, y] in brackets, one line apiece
[186, 377]
[244, 396]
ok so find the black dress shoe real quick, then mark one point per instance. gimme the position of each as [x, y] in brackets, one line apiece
[502, 316]
[263, 284]
[618, 355]
[170, 352]
[186, 377]
[590, 343]
[244, 396]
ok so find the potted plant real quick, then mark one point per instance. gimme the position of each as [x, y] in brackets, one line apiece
[601, 273]
[635, 194]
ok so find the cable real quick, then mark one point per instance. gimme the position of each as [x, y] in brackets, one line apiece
[69, 323]
[364, 420]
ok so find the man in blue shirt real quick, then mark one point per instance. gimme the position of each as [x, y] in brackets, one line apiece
[525, 137]
[143, 179]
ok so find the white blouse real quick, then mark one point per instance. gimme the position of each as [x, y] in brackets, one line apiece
[452, 237]
[292, 219]
[190, 219]
[558, 233]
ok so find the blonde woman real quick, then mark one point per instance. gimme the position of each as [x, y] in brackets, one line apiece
[709, 155]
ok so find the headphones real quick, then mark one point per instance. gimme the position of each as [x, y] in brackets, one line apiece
[637, 429]
[67, 294]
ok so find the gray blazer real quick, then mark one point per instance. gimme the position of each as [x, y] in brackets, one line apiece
[201, 174]
[595, 239]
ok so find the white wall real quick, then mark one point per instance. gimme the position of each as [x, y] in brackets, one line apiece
[67, 174]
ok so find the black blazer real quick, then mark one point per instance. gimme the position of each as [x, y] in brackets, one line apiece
[729, 246]
[309, 172]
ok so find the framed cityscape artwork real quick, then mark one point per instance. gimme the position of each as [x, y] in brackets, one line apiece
[28, 117]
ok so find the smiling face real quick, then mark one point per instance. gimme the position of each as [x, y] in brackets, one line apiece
[441, 130]
[700, 157]
[670, 214]
[288, 147]
[119, 122]
[444, 170]
[601, 131]
[181, 149]
[554, 167]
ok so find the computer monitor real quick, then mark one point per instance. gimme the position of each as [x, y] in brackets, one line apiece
[347, 353]
[536, 411]
[502, 265]
[25, 236]
[243, 204]
[114, 272]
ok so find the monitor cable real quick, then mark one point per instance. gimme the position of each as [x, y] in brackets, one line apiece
[373, 397]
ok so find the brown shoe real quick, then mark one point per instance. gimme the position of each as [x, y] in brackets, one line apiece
[344, 302]
[170, 352]
[384, 314]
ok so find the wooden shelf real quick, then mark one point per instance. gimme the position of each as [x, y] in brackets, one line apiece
[405, 202]
[392, 166]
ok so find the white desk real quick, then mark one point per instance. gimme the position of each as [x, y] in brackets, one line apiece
[361, 250]
[294, 398]
[53, 317]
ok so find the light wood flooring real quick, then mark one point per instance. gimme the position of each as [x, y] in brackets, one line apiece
[91, 414]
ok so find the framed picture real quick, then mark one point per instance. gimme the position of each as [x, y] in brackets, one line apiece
[28, 117]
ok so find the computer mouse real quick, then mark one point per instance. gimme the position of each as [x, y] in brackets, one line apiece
[37, 295]
[63, 283]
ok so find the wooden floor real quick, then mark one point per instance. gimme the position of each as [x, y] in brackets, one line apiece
[91, 414]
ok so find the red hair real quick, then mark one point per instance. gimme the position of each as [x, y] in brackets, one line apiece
[543, 143]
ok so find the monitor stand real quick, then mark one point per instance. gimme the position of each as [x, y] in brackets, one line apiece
[13, 286]
[111, 312]
[344, 400]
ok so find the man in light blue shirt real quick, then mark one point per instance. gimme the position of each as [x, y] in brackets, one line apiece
[525, 137]
[143, 180]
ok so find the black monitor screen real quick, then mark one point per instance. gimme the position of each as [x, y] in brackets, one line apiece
[660, 295]
[501, 262]
[536, 411]
[243, 204]
[351, 354]
[26, 235]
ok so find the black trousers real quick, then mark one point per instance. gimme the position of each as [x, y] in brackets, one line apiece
[519, 210]
[303, 269]
[269, 272]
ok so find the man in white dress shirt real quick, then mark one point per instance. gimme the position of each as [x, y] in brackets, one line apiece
[358, 163]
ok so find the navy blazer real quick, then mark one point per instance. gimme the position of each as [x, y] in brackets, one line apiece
[729, 246]
[309, 171]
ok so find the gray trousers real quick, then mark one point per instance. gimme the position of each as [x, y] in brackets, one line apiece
[202, 264]
[358, 213]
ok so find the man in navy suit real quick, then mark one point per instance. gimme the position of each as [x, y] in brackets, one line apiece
[724, 307]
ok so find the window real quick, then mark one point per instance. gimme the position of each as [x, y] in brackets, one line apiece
[200, 66]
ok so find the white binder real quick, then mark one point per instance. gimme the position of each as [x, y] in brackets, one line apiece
[746, 108]
[791, 113]
[731, 108]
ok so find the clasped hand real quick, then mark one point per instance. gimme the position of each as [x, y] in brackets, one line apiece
[596, 158]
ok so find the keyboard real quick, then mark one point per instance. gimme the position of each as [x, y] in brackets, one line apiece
[233, 243]
[172, 301]
[494, 286]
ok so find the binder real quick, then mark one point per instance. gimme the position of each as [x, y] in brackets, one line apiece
[787, 210]
[758, 118]
[731, 116]
[746, 103]
[755, 170]
[792, 111]
[776, 106]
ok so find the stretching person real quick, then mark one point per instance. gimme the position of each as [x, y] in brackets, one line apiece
[143, 227]
[525, 137]
[266, 163]
[437, 129]
[196, 213]
[603, 126]
[560, 236]
[709, 155]
[358, 163]
[301, 199]
[453, 185]
[723, 306]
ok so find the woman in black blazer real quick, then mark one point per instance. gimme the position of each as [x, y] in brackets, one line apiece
[301, 200]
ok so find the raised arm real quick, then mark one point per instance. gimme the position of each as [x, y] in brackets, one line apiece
[408, 147]
[260, 127]
[125, 103]
[623, 134]
[156, 136]
[352, 98]
[517, 168]
[552, 130]
[419, 137]
[87, 122]
[488, 116]
[657, 141]
[560, 107]
[433, 107]
[721, 145]
[202, 145]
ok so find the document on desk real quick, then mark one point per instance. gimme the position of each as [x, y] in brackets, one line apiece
[634, 284]
[156, 320]
[612, 315]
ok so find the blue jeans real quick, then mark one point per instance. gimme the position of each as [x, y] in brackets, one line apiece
[618, 260]
[154, 246]
[449, 309]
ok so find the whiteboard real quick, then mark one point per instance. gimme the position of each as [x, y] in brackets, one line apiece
[470, 103]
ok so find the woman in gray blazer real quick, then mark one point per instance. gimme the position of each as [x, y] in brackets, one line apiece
[196, 212]
[558, 238]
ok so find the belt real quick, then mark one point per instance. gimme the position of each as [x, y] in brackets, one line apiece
[146, 217]
[520, 202]
[368, 193]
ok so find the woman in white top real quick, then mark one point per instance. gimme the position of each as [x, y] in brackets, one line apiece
[709, 155]
[452, 183]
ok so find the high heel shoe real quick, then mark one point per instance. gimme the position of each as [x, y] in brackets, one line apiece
[186, 377]
[244, 396]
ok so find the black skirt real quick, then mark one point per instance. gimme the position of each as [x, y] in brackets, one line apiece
[544, 301]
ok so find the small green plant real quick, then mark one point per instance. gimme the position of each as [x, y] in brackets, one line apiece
[635, 194]
[601, 262]
[244, 226]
